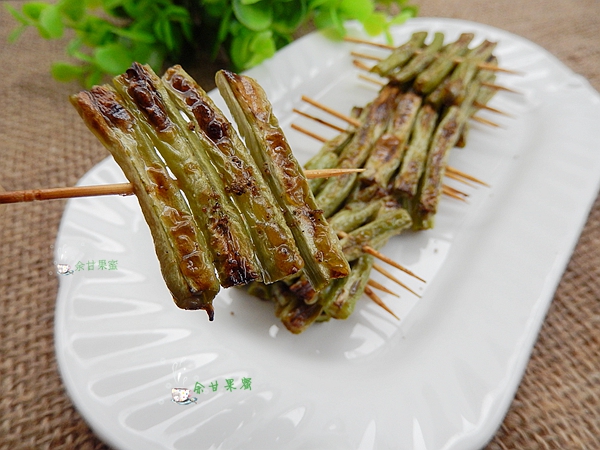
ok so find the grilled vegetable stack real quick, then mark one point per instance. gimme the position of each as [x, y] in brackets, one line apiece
[403, 143]
[214, 218]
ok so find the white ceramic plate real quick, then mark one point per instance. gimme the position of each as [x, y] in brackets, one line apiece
[441, 378]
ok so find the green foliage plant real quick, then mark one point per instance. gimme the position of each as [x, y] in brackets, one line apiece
[105, 36]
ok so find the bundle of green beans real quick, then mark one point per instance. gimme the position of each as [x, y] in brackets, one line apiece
[221, 214]
[403, 143]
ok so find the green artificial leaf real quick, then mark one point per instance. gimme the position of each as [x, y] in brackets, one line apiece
[33, 10]
[73, 9]
[316, 4]
[112, 58]
[95, 31]
[262, 46]
[65, 72]
[147, 54]
[328, 20]
[50, 22]
[164, 32]
[289, 15]
[18, 15]
[238, 49]
[93, 4]
[375, 23]
[402, 17]
[93, 78]
[16, 33]
[256, 16]
[249, 48]
[135, 35]
[356, 9]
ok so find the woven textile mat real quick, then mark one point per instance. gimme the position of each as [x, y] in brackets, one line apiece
[45, 144]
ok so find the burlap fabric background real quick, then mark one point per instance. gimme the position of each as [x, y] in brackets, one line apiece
[43, 143]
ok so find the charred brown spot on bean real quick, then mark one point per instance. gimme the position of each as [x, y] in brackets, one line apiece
[107, 102]
[146, 97]
[159, 178]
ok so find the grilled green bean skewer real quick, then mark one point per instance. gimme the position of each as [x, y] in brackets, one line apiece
[420, 62]
[223, 227]
[318, 244]
[180, 246]
[376, 117]
[210, 132]
[435, 73]
[400, 55]
[389, 149]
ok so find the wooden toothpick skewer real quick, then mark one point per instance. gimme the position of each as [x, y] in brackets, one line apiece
[389, 276]
[120, 189]
[381, 287]
[373, 296]
[377, 254]
[485, 121]
[466, 176]
[362, 66]
[482, 66]
[489, 108]
[371, 43]
[308, 133]
[454, 193]
[450, 171]
[333, 112]
[365, 56]
[318, 120]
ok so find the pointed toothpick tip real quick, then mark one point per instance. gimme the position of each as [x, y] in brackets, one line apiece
[373, 296]
[391, 262]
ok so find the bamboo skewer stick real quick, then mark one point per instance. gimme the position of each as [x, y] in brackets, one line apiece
[377, 254]
[333, 112]
[389, 276]
[489, 108]
[451, 172]
[369, 293]
[485, 121]
[381, 287]
[308, 133]
[466, 176]
[362, 66]
[120, 189]
[319, 120]
[454, 193]
[482, 66]
[391, 262]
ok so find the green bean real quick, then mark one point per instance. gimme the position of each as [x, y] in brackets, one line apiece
[317, 242]
[435, 73]
[354, 215]
[373, 233]
[224, 230]
[211, 133]
[400, 55]
[406, 182]
[421, 61]
[343, 301]
[376, 118]
[389, 149]
[444, 139]
[453, 89]
[297, 315]
[465, 72]
[180, 246]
